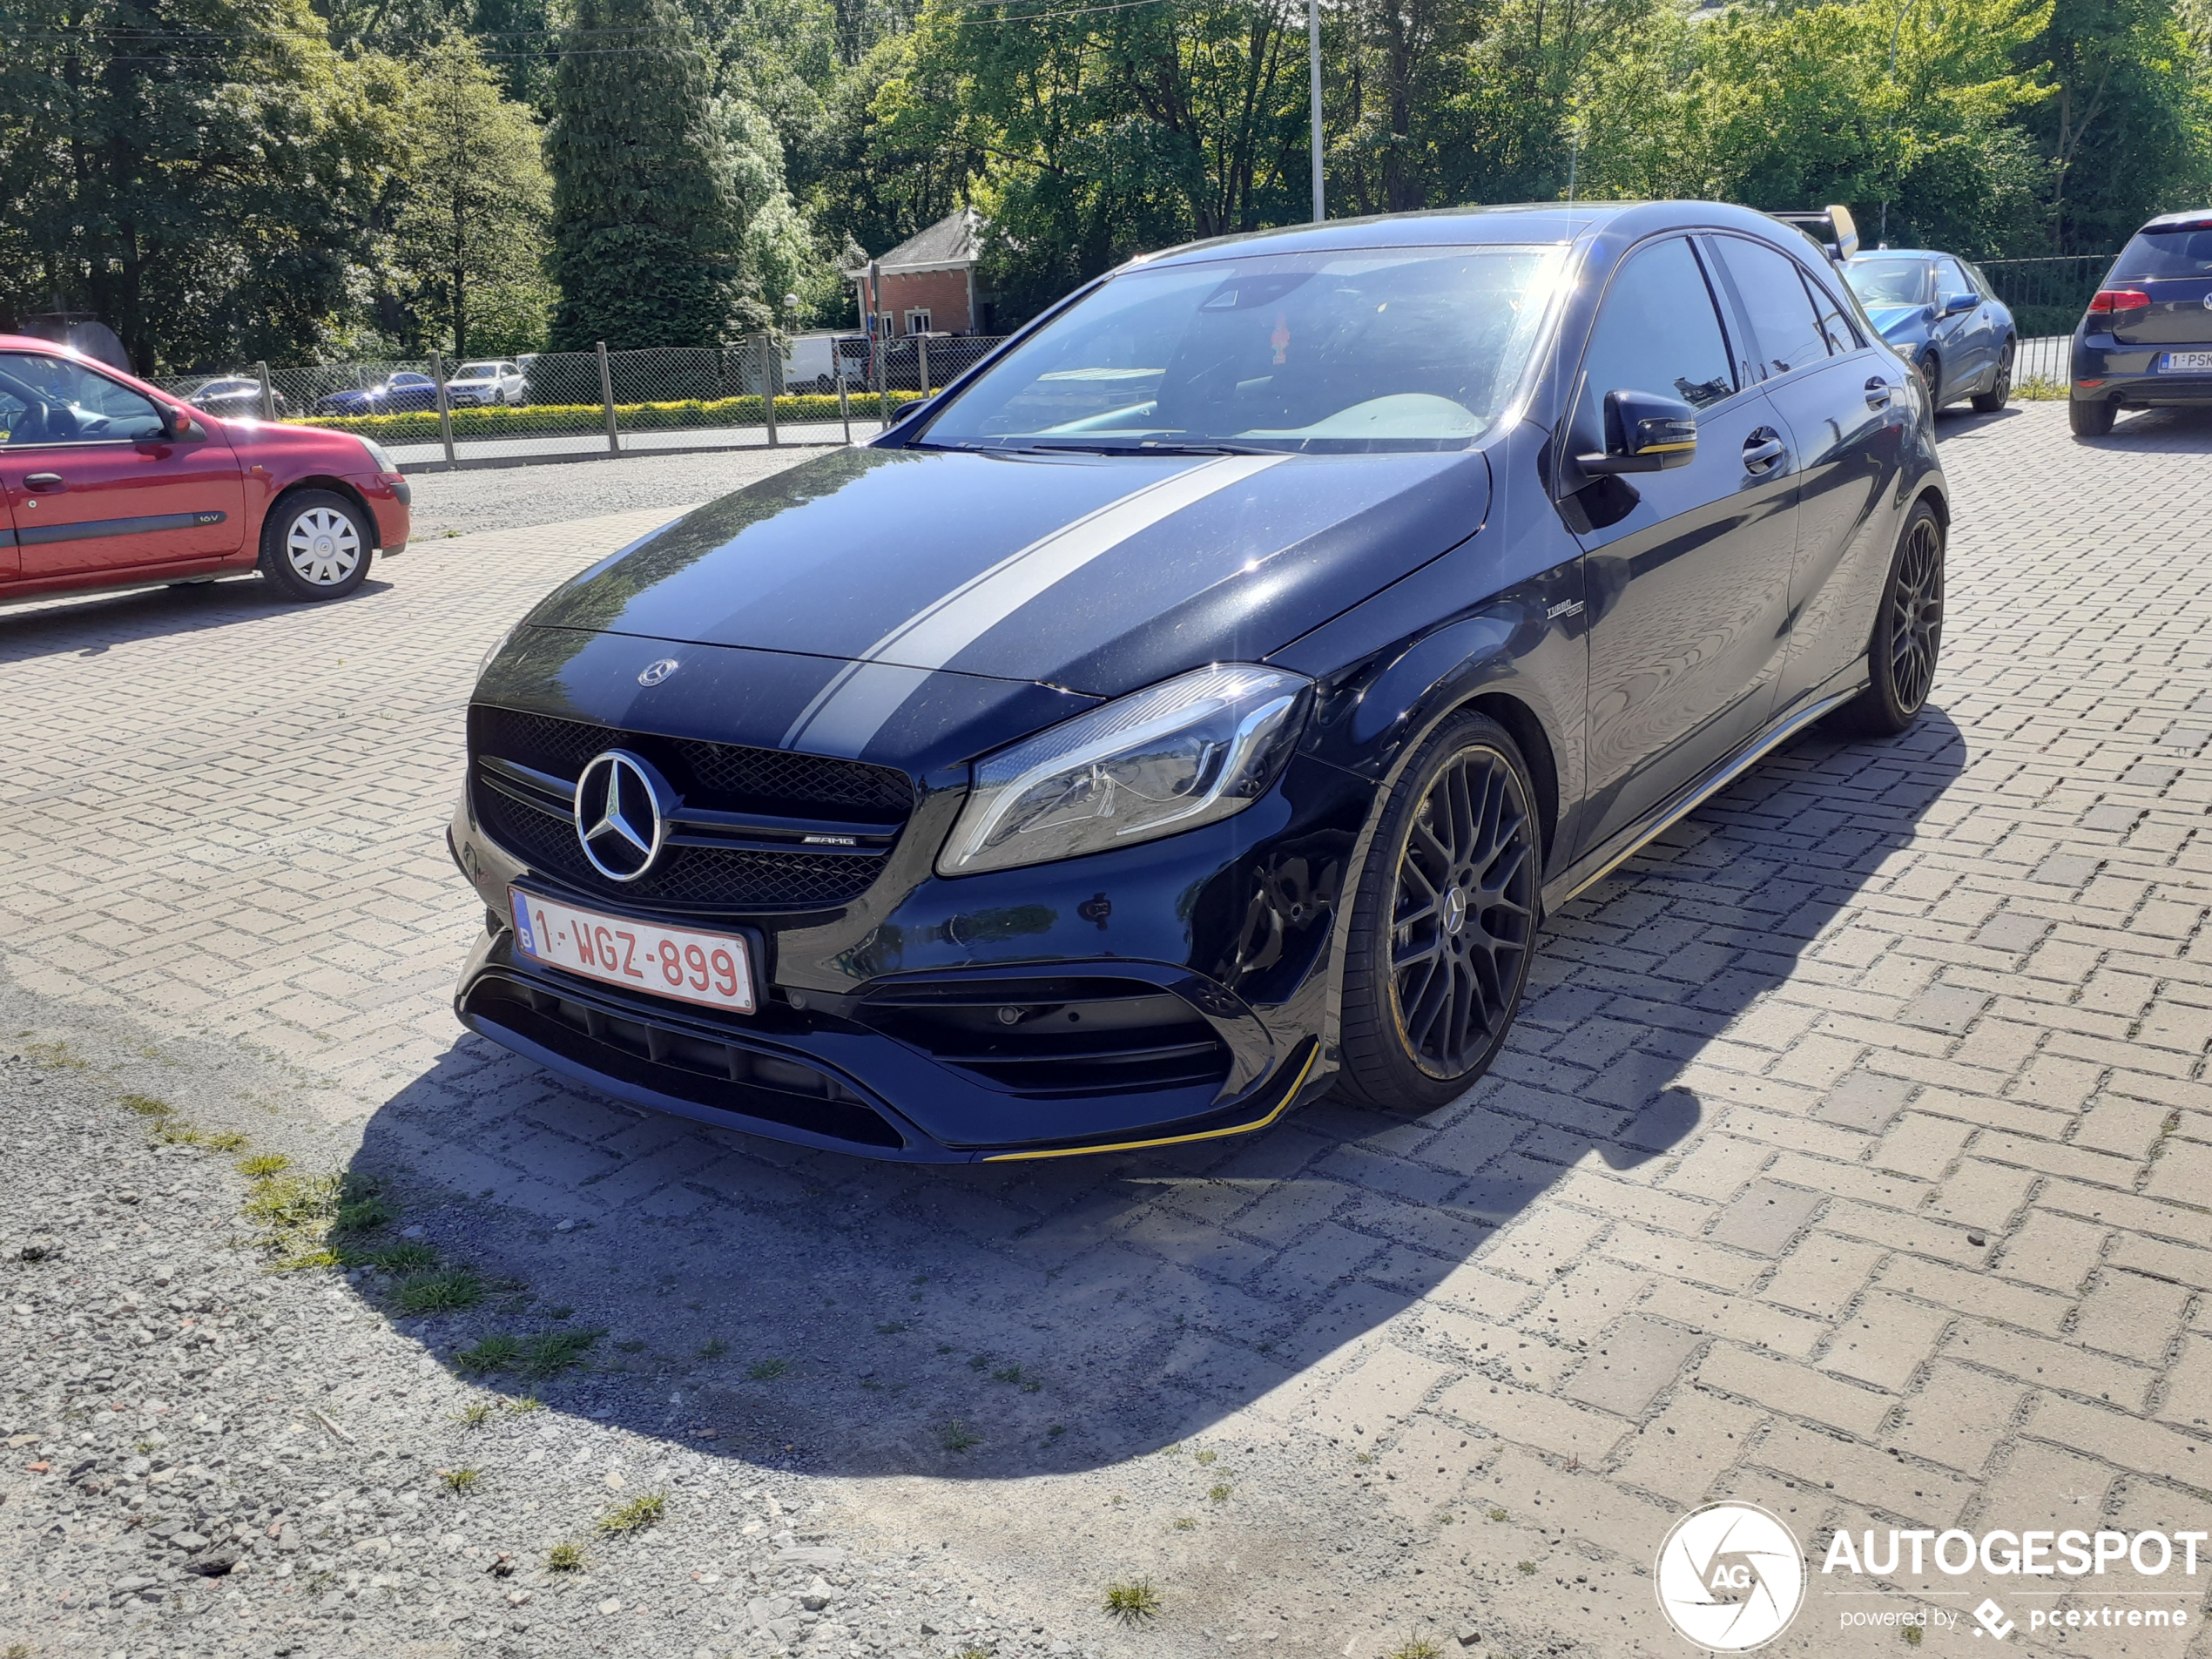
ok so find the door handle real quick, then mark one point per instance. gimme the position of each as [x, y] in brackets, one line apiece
[38, 480]
[1762, 450]
[1879, 392]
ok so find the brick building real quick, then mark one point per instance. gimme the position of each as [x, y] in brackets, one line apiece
[928, 282]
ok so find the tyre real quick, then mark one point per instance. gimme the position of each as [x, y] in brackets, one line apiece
[1443, 921]
[2090, 418]
[1931, 374]
[1908, 633]
[316, 545]
[2000, 389]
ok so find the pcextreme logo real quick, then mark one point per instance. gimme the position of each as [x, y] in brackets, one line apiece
[1730, 1577]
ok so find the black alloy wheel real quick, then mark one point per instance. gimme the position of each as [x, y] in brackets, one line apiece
[1931, 374]
[1444, 925]
[1908, 632]
[2000, 389]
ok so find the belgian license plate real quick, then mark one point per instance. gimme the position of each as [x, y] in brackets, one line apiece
[2186, 362]
[708, 968]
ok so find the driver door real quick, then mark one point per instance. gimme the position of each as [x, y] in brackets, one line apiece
[94, 483]
[1686, 571]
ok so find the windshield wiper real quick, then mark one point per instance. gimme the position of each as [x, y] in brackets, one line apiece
[1207, 447]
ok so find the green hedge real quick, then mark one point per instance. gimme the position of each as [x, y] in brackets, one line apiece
[423, 427]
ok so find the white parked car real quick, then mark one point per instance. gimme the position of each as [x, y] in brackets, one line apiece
[480, 384]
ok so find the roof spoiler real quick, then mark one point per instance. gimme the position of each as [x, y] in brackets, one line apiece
[1832, 228]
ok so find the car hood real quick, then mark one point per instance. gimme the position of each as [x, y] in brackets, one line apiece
[1095, 574]
[1894, 321]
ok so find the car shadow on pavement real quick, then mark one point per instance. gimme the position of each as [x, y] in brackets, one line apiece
[2182, 432]
[848, 1317]
[91, 623]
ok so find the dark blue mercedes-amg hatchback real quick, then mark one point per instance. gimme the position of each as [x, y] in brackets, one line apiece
[1200, 704]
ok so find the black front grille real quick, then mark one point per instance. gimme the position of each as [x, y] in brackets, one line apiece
[615, 1042]
[1051, 1038]
[729, 777]
[863, 806]
[684, 878]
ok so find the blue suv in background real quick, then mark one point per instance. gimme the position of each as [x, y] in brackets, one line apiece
[1940, 313]
[2145, 341]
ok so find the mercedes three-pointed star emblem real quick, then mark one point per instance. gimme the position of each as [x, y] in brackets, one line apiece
[621, 808]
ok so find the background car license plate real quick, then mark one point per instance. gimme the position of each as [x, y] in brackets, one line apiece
[710, 969]
[2186, 362]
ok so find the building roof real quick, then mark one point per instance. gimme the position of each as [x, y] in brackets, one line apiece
[952, 241]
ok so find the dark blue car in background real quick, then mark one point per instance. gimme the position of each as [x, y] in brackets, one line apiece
[2145, 341]
[1939, 313]
[406, 391]
[1201, 702]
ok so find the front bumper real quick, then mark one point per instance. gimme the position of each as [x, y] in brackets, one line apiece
[1170, 992]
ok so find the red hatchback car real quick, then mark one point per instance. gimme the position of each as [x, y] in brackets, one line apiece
[106, 482]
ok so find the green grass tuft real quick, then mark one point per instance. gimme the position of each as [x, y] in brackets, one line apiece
[459, 1480]
[146, 1105]
[550, 1352]
[445, 1290]
[1133, 1602]
[713, 1348]
[768, 1370]
[475, 1414]
[565, 1558]
[1417, 1648]
[502, 1351]
[1219, 1494]
[263, 1164]
[956, 1436]
[643, 1511]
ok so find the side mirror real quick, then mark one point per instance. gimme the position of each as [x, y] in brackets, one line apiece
[1955, 303]
[179, 427]
[1645, 433]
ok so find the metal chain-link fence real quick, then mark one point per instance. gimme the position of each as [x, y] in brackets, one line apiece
[811, 389]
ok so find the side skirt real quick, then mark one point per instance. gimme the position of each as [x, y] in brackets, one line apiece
[1589, 872]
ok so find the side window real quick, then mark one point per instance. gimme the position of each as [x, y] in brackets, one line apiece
[51, 400]
[1950, 280]
[1787, 333]
[1841, 337]
[1657, 331]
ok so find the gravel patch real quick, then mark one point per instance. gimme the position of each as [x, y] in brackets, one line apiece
[488, 498]
[207, 1457]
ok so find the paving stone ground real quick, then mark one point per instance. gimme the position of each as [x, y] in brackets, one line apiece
[1852, 1157]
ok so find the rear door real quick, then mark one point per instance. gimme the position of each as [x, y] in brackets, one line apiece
[1686, 572]
[1841, 398]
[95, 486]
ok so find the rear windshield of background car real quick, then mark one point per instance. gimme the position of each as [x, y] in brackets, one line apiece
[1375, 350]
[2154, 254]
[1891, 282]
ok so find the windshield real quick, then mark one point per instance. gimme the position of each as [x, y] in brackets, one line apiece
[478, 372]
[1377, 350]
[1891, 282]
[2183, 251]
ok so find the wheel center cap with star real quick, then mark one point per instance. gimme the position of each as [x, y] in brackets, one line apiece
[1455, 910]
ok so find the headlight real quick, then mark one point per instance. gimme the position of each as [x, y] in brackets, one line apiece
[1197, 748]
[376, 453]
[497, 646]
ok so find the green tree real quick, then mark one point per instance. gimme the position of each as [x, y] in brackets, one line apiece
[647, 235]
[471, 232]
[204, 174]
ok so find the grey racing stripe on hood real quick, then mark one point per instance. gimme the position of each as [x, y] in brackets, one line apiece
[866, 692]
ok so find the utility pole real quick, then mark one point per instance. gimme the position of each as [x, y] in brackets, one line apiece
[1313, 60]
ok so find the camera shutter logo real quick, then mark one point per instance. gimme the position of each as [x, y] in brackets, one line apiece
[622, 809]
[1730, 1577]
